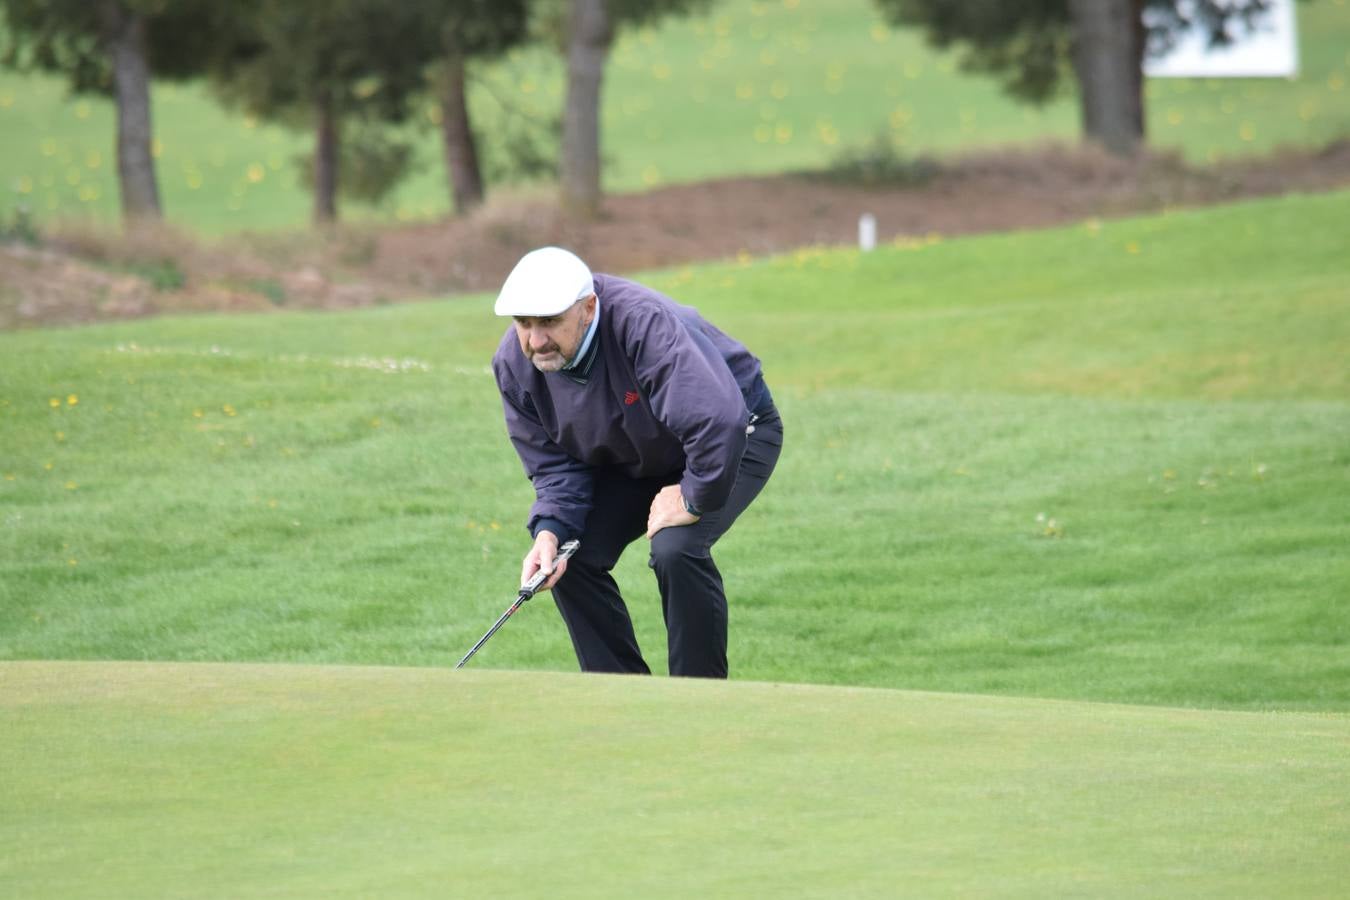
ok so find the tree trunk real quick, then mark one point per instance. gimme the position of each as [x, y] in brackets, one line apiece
[325, 160]
[1108, 61]
[124, 31]
[461, 152]
[1140, 46]
[588, 41]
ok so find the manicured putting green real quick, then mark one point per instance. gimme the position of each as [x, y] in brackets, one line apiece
[191, 780]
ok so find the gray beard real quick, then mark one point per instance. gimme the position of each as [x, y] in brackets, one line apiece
[552, 365]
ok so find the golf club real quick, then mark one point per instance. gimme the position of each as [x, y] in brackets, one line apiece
[527, 591]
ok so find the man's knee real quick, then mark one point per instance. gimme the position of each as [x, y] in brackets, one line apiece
[675, 547]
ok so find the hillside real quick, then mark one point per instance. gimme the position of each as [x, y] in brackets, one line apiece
[83, 275]
[1103, 461]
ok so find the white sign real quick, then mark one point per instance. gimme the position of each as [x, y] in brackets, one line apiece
[1269, 49]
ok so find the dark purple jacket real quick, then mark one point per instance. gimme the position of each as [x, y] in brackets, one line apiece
[663, 393]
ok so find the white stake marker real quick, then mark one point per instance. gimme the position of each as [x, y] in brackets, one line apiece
[867, 232]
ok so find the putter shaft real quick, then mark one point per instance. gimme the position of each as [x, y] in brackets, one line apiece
[527, 590]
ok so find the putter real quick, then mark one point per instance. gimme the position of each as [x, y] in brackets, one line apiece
[526, 592]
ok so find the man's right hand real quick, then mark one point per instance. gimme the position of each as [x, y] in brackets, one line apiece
[541, 557]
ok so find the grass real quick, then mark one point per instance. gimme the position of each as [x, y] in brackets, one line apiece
[204, 781]
[752, 87]
[1101, 463]
[1114, 469]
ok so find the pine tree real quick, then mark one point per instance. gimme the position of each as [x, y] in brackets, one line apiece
[1032, 43]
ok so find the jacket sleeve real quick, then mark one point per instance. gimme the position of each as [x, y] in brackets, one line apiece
[693, 393]
[562, 485]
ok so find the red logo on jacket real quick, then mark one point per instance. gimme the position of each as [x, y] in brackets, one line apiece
[630, 397]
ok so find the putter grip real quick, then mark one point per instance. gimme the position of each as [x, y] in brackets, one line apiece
[528, 589]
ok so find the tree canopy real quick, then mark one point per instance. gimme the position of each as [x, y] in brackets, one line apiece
[70, 37]
[1031, 45]
[1027, 43]
[106, 47]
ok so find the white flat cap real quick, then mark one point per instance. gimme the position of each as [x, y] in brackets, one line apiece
[544, 283]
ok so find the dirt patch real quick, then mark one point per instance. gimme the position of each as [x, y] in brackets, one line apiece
[84, 277]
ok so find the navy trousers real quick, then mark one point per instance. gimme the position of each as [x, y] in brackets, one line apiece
[693, 600]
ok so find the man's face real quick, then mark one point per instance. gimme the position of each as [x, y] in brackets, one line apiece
[552, 342]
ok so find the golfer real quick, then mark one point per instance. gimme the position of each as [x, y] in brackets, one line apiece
[633, 416]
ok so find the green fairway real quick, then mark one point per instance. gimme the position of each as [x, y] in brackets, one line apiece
[226, 781]
[1105, 462]
[751, 87]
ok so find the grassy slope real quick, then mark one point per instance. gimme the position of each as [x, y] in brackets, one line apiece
[201, 781]
[752, 87]
[1170, 391]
